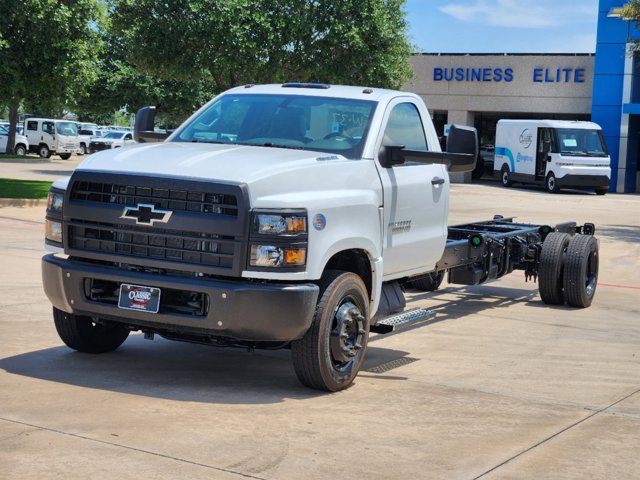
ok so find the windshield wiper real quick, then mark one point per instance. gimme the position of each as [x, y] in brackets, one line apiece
[195, 140]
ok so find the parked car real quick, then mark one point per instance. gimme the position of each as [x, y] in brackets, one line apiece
[21, 144]
[111, 140]
[86, 136]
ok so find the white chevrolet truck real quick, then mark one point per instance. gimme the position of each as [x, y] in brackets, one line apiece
[284, 216]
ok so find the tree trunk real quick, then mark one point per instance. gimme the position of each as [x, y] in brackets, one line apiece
[13, 122]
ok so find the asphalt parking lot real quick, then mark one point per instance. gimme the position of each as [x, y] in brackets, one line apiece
[497, 385]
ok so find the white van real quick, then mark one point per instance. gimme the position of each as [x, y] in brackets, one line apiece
[52, 137]
[554, 153]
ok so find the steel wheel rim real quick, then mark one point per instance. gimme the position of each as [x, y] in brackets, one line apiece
[591, 274]
[347, 334]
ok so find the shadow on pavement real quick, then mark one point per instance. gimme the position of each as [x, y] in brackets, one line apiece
[179, 371]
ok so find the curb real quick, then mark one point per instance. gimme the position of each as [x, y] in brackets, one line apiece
[23, 202]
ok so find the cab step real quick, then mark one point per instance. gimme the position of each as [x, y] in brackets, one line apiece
[402, 320]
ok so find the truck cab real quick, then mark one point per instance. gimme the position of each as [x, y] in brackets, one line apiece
[48, 136]
[554, 153]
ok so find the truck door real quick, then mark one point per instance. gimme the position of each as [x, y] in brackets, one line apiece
[48, 135]
[415, 195]
[542, 151]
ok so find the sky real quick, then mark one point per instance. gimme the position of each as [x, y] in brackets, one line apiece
[502, 26]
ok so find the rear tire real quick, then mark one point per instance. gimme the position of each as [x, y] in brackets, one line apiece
[44, 151]
[601, 191]
[504, 177]
[551, 284]
[581, 271]
[428, 283]
[84, 335]
[329, 355]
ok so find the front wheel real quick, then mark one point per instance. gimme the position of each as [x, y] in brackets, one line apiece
[601, 191]
[20, 150]
[85, 335]
[551, 184]
[329, 355]
[65, 156]
[83, 149]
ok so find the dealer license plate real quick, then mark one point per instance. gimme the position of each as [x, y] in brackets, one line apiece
[140, 298]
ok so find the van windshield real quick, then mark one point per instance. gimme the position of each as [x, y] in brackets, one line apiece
[69, 129]
[579, 141]
[325, 124]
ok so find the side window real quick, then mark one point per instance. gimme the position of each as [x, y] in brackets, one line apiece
[48, 127]
[404, 127]
[32, 126]
[127, 136]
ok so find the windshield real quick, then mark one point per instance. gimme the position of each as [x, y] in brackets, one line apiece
[67, 128]
[323, 124]
[579, 141]
[116, 135]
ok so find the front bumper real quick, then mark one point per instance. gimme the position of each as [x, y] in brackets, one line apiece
[238, 310]
[583, 181]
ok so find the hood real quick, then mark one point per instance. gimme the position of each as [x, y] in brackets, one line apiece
[266, 171]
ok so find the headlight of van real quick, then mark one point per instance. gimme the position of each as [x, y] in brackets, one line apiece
[53, 220]
[278, 240]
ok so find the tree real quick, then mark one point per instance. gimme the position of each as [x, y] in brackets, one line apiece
[120, 85]
[232, 42]
[631, 12]
[48, 50]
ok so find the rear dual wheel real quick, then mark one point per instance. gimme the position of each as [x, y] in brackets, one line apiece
[568, 269]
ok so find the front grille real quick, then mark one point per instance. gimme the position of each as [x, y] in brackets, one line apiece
[183, 247]
[206, 233]
[164, 198]
[98, 146]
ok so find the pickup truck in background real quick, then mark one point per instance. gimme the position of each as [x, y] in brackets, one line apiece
[284, 216]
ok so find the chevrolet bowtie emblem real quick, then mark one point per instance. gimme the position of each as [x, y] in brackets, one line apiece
[146, 214]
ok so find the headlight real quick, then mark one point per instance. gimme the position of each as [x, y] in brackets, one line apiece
[53, 221]
[279, 224]
[53, 231]
[274, 256]
[54, 202]
[279, 240]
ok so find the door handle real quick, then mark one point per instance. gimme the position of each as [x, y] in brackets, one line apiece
[437, 181]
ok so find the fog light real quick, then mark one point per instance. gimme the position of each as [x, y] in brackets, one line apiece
[53, 231]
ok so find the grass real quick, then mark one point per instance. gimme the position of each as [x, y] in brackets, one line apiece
[30, 189]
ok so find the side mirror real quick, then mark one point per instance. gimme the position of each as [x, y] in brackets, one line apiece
[391, 155]
[462, 141]
[144, 130]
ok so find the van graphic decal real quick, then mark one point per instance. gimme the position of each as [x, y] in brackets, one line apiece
[505, 152]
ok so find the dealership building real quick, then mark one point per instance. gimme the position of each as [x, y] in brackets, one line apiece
[480, 89]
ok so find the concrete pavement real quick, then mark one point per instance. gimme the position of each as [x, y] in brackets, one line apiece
[497, 385]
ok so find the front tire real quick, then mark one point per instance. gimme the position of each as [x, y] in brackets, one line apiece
[83, 149]
[20, 150]
[65, 156]
[330, 354]
[84, 335]
[551, 184]
[601, 191]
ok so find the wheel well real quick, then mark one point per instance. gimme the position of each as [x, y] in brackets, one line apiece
[355, 261]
